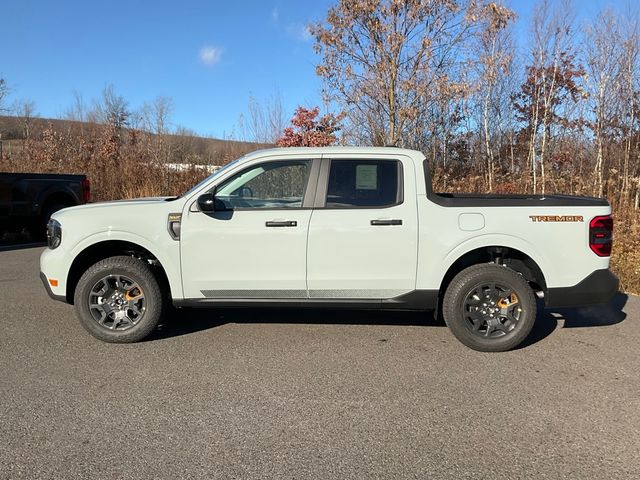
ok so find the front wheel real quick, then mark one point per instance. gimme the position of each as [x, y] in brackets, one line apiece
[119, 300]
[489, 308]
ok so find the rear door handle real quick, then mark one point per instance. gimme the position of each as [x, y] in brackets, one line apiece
[376, 223]
[282, 223]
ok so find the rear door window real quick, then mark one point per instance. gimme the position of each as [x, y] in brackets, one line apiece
[364, 184]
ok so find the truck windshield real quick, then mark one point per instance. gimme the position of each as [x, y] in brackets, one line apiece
[210, 177]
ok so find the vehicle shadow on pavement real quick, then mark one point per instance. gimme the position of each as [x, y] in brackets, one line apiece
[591, 316]
[192, 320]
[596, 315]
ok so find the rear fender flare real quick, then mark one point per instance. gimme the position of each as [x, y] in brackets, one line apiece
[497, 240]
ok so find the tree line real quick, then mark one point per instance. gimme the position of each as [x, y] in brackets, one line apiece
[452, 79]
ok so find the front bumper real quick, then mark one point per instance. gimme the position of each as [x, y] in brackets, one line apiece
[54, 264]
[60, 298]
[598, 287]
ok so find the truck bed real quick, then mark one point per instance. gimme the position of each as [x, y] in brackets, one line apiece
[31, 195]
[511, 200]
[505, 200]
[40, 176]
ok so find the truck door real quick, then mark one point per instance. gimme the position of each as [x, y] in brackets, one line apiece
[253, 246]
[363, 233]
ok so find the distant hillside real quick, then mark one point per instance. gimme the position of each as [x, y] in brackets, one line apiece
[206, 149]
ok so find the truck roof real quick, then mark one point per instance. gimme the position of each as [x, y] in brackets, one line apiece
[315, 151]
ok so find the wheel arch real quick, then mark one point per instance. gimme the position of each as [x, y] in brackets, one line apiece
[49, 197]
[111, 248]
[510, 257]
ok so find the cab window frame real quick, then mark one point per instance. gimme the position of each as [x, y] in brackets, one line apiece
[309, 188]
[325, 173]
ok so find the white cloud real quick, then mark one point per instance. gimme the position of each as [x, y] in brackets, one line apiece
[209, 55]
[275, 14]
[299, 32]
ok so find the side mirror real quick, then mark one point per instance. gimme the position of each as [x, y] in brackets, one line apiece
[206, 202]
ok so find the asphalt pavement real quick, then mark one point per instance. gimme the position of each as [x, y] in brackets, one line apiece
[312, 394]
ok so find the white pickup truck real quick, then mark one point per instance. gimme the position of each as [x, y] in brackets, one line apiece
[339, 227]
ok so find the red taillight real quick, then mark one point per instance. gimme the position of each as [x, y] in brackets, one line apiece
[601, 235]
[86, 190]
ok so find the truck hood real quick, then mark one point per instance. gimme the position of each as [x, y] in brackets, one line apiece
[131, 200]
[110, 212]
[124, 202]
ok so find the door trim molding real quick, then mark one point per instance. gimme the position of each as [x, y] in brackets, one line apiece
[415, 300]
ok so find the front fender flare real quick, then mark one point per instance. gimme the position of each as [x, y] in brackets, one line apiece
[171, 266]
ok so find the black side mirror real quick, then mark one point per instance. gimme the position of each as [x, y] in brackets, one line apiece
[206, 202]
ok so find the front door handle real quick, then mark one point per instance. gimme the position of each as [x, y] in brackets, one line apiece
[282, 223]
[376, 223]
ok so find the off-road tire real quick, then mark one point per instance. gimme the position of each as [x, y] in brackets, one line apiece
[135, 269]
[468, 280]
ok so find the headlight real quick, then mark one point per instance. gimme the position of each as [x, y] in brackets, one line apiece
[54, 234]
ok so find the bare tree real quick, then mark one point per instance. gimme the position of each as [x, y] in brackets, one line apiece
[4, 91]
[493, 64]
[392, 65]
[111, 109]
[156, 115]
[263, 122]
[553, 80]
[25, 110]
[630, 99]
[77, 112]
[604, 56]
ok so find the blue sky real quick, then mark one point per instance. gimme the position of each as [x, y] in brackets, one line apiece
[209, 56]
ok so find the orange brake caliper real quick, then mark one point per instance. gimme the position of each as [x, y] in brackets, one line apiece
[508, 301]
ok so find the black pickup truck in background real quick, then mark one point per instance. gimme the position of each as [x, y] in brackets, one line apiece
[27, 200]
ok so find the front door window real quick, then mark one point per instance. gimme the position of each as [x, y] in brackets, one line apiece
[271, 185]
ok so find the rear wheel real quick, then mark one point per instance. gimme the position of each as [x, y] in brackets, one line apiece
[489, 308]
[119, 300]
